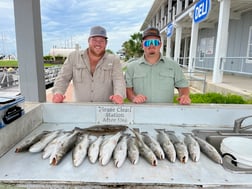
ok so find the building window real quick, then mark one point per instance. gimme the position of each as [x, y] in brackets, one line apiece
[249, 53]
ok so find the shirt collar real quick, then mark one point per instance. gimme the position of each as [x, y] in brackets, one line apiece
[143, 61]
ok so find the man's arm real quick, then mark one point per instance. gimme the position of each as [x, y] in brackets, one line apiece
[135, 98]
[184, 98]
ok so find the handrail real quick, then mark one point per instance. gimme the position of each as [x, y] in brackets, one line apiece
[192, 77]
[236, 65]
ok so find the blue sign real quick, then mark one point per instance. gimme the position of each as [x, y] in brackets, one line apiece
[201, 10]
[169, 30]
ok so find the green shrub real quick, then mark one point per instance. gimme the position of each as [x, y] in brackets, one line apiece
[217, 98]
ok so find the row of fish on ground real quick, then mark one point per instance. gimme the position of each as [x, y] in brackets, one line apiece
[117, 144]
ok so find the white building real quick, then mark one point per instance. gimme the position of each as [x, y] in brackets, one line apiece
[64, 52]
[222, 42]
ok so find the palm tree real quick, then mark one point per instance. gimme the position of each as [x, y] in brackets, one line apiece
[133, 47]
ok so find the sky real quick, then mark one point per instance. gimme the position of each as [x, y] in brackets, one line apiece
[68, 22]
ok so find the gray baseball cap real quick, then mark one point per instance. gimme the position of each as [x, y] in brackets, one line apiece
[98, 31]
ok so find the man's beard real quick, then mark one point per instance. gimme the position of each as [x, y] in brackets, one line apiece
[92, 51]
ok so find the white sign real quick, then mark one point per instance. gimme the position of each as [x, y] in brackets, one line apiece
[114, 114]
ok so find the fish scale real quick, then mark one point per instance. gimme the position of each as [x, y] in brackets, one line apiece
[24, 146]
[180, 147]
[167, 145]
[120, 152]
[93, 150]
[80, 150]
[48, 150]
[144, 150]
[133, 151]
[107, 147]
[153, 145]
[193, 147]
[209, 150]
[42, 143]
[62, 148]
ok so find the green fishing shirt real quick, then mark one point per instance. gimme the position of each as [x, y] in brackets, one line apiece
[156, 81]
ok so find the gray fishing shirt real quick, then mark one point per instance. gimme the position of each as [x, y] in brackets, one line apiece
[107, 78]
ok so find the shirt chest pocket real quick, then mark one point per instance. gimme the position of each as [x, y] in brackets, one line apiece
[106, 73]
[79, 73]
[166, 80]
[140, 81]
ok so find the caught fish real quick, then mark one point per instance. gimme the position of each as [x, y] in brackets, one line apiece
[180, 147]
[93, 150]
[167, 145]
[98, 130]
[42, 143]
[209, 150]
[63, 147]
[48, 150]
[30, 141]
[107, 147]
[193, 147]
[153, 145]
[120, 151]
[144, 150]
[80, 150]
[133, 151]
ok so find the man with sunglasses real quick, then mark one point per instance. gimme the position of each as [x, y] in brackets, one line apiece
[96, 75]
[153, 77]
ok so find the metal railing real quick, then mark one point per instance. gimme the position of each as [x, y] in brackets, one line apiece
[199, 76]
[11, 79]
[238, 65]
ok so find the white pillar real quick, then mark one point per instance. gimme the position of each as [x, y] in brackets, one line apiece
[179, 7]
[162, 47]
[185, 51]
[169, 14]
[221, 42]
[168, 47]
[30, 50]
[193, 46]
[177, 42]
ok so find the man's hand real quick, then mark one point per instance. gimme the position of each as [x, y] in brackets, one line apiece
[184, 100]
[139, 99]
[58, 98]
[117, 99]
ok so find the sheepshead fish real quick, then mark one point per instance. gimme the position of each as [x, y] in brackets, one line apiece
[144, 150]
[133, 151]
[120, 151]
[42, 143]
[24, 146]
[180, 147]
[63, 147]
[167, 145]
[193, 147]
[209, 150]
[93, 150]
[48, 150]
[98, 130]
[107, 147]
[153, 145]
[80, 150]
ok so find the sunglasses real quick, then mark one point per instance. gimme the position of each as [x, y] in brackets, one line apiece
[149, 42]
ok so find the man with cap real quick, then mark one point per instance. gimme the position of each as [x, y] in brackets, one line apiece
[153, 77]
[96, 74]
